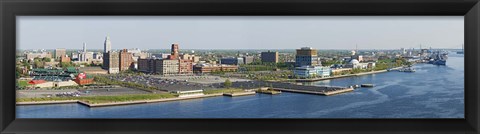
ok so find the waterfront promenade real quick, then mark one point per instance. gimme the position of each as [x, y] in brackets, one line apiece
[342, 76]
[117, 103]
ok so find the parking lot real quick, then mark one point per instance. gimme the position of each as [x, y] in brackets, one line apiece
[201, 79]
[175, 83]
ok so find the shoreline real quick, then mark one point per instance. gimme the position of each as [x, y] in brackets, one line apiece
[115, 103]
[342, 76]
[202, 96]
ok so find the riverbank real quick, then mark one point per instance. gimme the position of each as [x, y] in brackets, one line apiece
[342, 76]
[86, 103]
[47, 102]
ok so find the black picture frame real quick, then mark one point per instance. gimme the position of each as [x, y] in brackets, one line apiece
[9, 9]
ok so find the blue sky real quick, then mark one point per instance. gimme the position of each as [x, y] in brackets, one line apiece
[240, 32]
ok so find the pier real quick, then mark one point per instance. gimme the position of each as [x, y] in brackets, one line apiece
[317, 92]
[239, 94]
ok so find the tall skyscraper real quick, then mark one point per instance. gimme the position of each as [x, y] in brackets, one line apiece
[107, 45]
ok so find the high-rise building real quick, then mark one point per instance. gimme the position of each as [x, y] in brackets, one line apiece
[166, 66]
[126, 60]
[146, 65]
[107, 45]
[111, 62]
[59, 52]
[185, 66]
[174, 52]
[306, 56]
[269, 57]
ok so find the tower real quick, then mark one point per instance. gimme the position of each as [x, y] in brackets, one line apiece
[174, 52]
[107, 45]
[84, 47]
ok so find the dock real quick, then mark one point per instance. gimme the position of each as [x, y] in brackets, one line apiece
[318, 92]
[273, 92]
[239, 94]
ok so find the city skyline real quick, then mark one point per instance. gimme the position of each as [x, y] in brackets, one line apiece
[240, 32]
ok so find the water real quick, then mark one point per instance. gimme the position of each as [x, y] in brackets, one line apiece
[431, 92]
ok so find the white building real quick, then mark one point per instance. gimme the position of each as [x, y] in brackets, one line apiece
[354, 63]
[311, 72]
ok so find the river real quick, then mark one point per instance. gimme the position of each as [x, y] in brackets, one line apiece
[430, 92]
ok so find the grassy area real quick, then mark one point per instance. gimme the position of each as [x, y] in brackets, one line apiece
[224, 90]
[104, 99]
[22, 83]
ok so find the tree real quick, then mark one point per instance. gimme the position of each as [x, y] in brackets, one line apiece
[38, 64]
[66, 64]
[45, 59]
[227, 83]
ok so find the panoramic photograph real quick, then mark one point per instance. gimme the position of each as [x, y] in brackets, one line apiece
[241, 67]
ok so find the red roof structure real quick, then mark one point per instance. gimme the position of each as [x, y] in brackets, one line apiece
[35, 82]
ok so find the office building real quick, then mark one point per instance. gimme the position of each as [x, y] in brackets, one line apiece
[111, 62]
[269, 57]
[59, 52]
[85, 56]
[126, 60]
[166, 66]
[74, 56]
[185, 66]
[31, 56]
[247, 59]
[160, 56]
[306, 56]
[192, 58]
[231, 61]
[65, 58]
[208, 68]
[146, 65]
[312, 72]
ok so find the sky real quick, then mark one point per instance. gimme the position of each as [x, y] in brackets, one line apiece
[241, 32]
